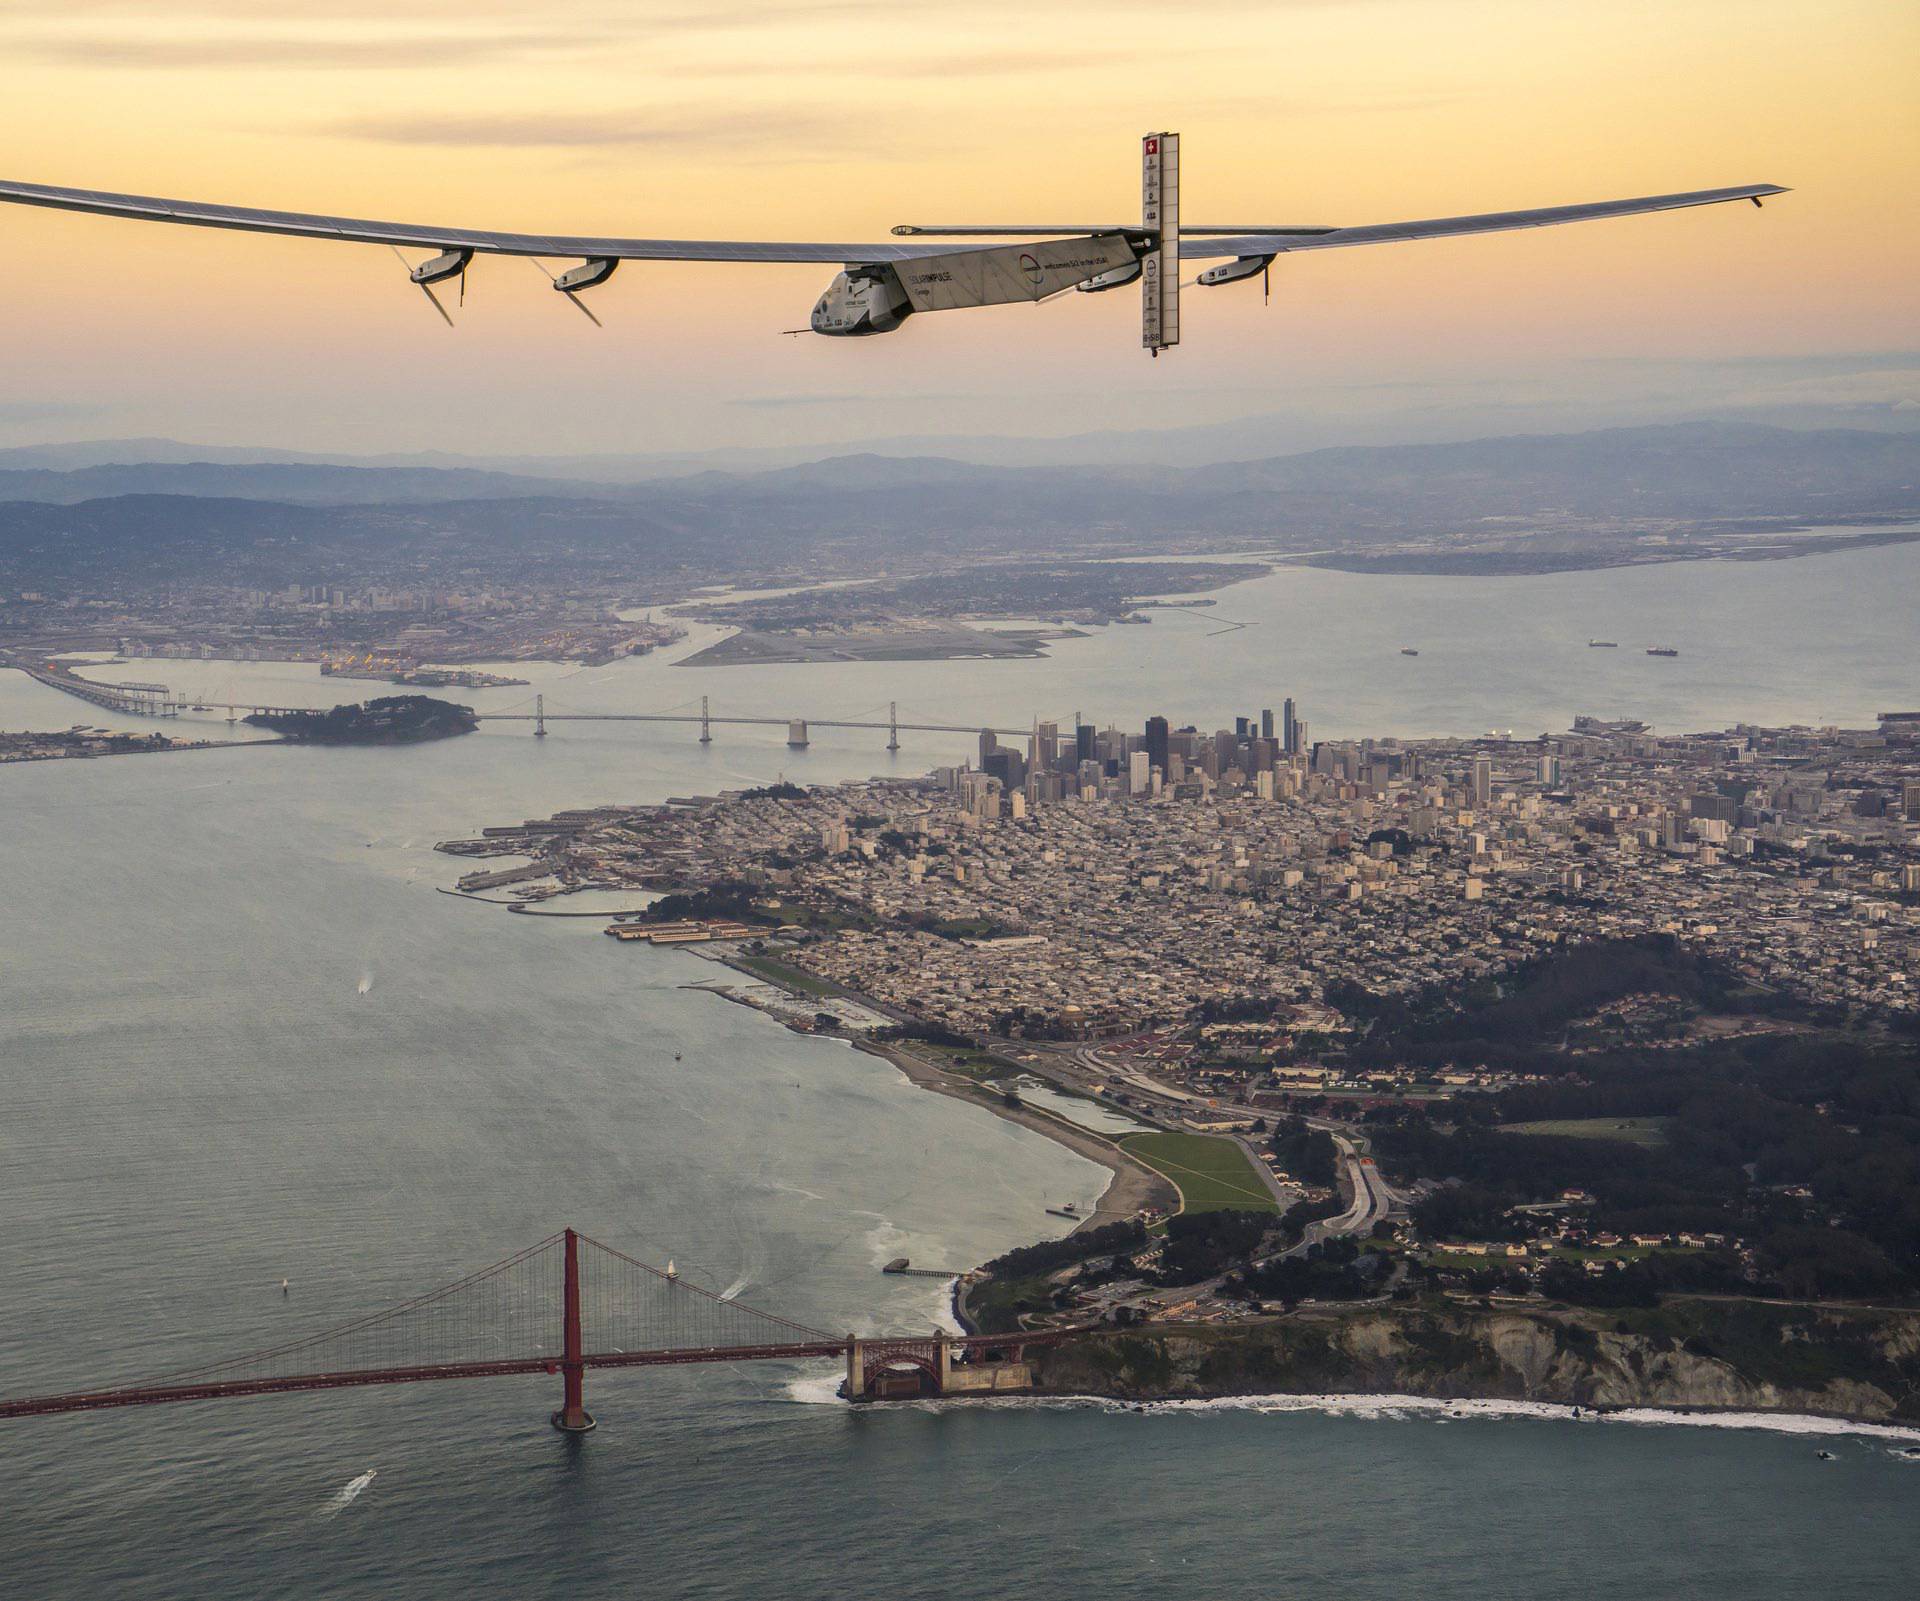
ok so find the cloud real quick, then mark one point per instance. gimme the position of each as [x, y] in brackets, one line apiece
[766, 135]
[300, 53]
[19, 411]
[784, 402]
[983, 64]
[1889, 389]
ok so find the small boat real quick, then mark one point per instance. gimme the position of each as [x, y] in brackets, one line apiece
[1603, 644]
[1408, 650]
[1662, 650]
[676, 1056]
[1824, 1456]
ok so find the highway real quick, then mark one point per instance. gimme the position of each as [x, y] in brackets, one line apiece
[1370, 1202]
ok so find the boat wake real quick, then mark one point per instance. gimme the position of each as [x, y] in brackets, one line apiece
[347, 1494]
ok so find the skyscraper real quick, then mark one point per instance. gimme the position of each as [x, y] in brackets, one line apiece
[1266, 722]
[1157, 742]
[1482, 781]
[1289, 729]
[1044, 750]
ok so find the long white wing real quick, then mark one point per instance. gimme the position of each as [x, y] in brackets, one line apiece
[1275, 244]
[311, 225]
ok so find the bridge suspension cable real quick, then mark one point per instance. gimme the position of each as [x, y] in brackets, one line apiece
[559, 1306]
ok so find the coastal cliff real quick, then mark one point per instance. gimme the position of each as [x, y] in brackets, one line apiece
[1731, 1355]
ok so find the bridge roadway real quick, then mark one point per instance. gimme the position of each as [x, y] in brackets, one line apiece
[877, 1347]
[156, 700]
[136, 700]
[763, 722]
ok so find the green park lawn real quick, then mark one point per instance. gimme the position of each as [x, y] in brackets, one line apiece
[1214, 1174]
[1630, 1130]
[792, 978]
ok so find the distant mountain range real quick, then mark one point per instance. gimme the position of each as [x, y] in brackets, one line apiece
[278, 522]
[310, 483]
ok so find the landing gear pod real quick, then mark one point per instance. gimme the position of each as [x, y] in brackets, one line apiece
[1231, 272]
[449, 264]
[585, 276]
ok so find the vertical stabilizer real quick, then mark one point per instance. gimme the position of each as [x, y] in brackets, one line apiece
[1160, 216]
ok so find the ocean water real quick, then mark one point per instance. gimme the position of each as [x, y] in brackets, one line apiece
[243, 1038]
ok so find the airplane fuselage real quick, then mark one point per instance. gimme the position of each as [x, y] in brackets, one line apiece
[868, 300]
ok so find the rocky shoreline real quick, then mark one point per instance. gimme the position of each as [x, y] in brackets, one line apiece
[1854, 1364]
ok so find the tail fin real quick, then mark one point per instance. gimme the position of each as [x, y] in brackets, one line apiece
[1160, 216]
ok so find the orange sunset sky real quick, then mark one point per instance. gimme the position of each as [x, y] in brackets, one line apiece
[834, 119]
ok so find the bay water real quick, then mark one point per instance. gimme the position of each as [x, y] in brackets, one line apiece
[243, 1038]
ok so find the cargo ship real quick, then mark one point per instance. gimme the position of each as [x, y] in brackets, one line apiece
[1603, 644]
[1408, 650]
[1662, 650]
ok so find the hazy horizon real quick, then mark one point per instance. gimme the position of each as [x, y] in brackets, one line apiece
[807, 121]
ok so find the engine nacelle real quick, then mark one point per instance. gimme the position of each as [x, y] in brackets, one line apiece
[1229, 272]
[449, 264]
[861, 301]
[1119, 278]
[585, 276]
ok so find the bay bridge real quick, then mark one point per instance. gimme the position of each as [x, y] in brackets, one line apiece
[799, 729]
[560, 1307]
[158, 700]
[132, 700]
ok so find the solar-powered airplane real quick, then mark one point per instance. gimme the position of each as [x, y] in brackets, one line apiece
[880, 286]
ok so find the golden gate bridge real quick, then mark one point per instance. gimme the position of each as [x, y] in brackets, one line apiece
[558, 1308]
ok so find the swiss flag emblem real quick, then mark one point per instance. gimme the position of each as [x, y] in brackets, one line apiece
[1153, 147]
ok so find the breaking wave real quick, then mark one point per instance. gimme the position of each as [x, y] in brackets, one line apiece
[823, 1389]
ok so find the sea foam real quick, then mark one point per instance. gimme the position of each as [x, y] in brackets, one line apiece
[823, 1389]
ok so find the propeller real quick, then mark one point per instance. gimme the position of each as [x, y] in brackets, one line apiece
[445, 315]
[432, 298]
[567, 294]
